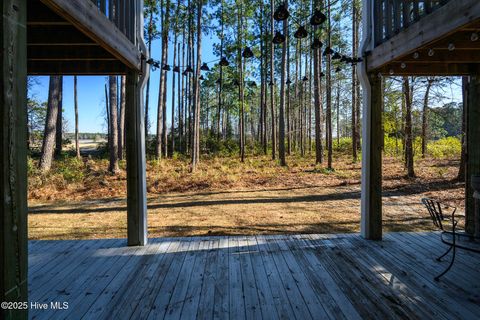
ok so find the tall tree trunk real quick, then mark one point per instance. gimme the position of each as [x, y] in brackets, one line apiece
[408, 128]
[147, 94]
[355, 88]
[121, 122]
[462, 168]
[113, 166]
[196, 84]
[162, 94]
[181, 112]
[317, 63]
[288, 102]
[281, 118]
[241, 96]
[329, 94]
[338, 112]
[425, 117]
[59, 125]
[272, 82]
[75, 103]
[50, 124]
[172, 127]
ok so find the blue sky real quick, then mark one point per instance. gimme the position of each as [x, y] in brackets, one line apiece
[91, 93]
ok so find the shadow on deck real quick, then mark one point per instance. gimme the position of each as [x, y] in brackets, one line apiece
[298, 276]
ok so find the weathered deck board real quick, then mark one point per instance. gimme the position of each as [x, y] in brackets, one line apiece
[275, 277]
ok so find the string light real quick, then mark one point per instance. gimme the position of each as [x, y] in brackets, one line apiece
[301, 33]
[316, 44]
[451, 47]
[166, 67]
[224, 62]
[391, 72]
[431, 52]
[278, 38]
[204, 67]
[474, 37]
[416, 55]
[317, 18]
[281, 13]
[403, 65]
[176, 69]
[247, 53]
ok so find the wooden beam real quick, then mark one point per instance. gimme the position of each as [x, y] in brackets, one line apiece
[85, 16]
[473, 148]
[440, 23]
[136, 167]
[76, 67]
[13, 158]
[444, 56]
[68, 53]
[425, 69]
[372, 142]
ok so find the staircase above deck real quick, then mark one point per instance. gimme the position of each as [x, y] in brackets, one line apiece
[82, 37]
[425, 37]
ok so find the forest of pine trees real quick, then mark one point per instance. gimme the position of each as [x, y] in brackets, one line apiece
[283, 83]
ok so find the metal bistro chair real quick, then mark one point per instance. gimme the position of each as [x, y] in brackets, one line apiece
[436, 210]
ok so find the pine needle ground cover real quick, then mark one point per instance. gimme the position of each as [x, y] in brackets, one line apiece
[79, 200]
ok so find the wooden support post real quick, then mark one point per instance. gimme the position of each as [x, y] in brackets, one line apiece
[13, 157]
[472, 149]
[371, 206]
[136, 168]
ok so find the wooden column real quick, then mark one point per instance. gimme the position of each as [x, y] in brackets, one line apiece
[473, 147]
[371, 206]
[136, 168]
[13, 157]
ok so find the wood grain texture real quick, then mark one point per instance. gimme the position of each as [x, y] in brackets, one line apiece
[13, 156]
[336, 276]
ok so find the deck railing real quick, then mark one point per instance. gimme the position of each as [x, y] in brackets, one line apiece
[393, 16]
[122, 13]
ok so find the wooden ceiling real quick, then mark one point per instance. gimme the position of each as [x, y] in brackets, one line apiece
[447, 42]
[58, 46]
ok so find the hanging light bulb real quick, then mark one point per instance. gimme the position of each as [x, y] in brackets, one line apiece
[316, 44]
[451, 47]
[327, 50]
[156, 64]
[431, 52]
[391, 72]
[403, 65]
[474, 37]
[278, 38]
[204, 67]
[416, 55]
[338, 69]
[189, 69]
[322, 74]
[247, 53]
[253, 84]
[336, 56]
[317, 18]
[224, 62]
[201, 78]
[300, 33]
[281, 13]
[176, 69]
[305, 79]
[166, 67]
[289, 82]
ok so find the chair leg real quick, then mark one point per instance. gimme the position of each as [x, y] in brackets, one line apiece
[437, 278]
[443, 255]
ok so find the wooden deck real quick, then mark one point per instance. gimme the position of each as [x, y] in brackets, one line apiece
[270, 277]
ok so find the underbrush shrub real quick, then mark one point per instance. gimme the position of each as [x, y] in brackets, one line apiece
[71, 169]
[445, 148]
[344, 146]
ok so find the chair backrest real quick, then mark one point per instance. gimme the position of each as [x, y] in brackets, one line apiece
[435, 209]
